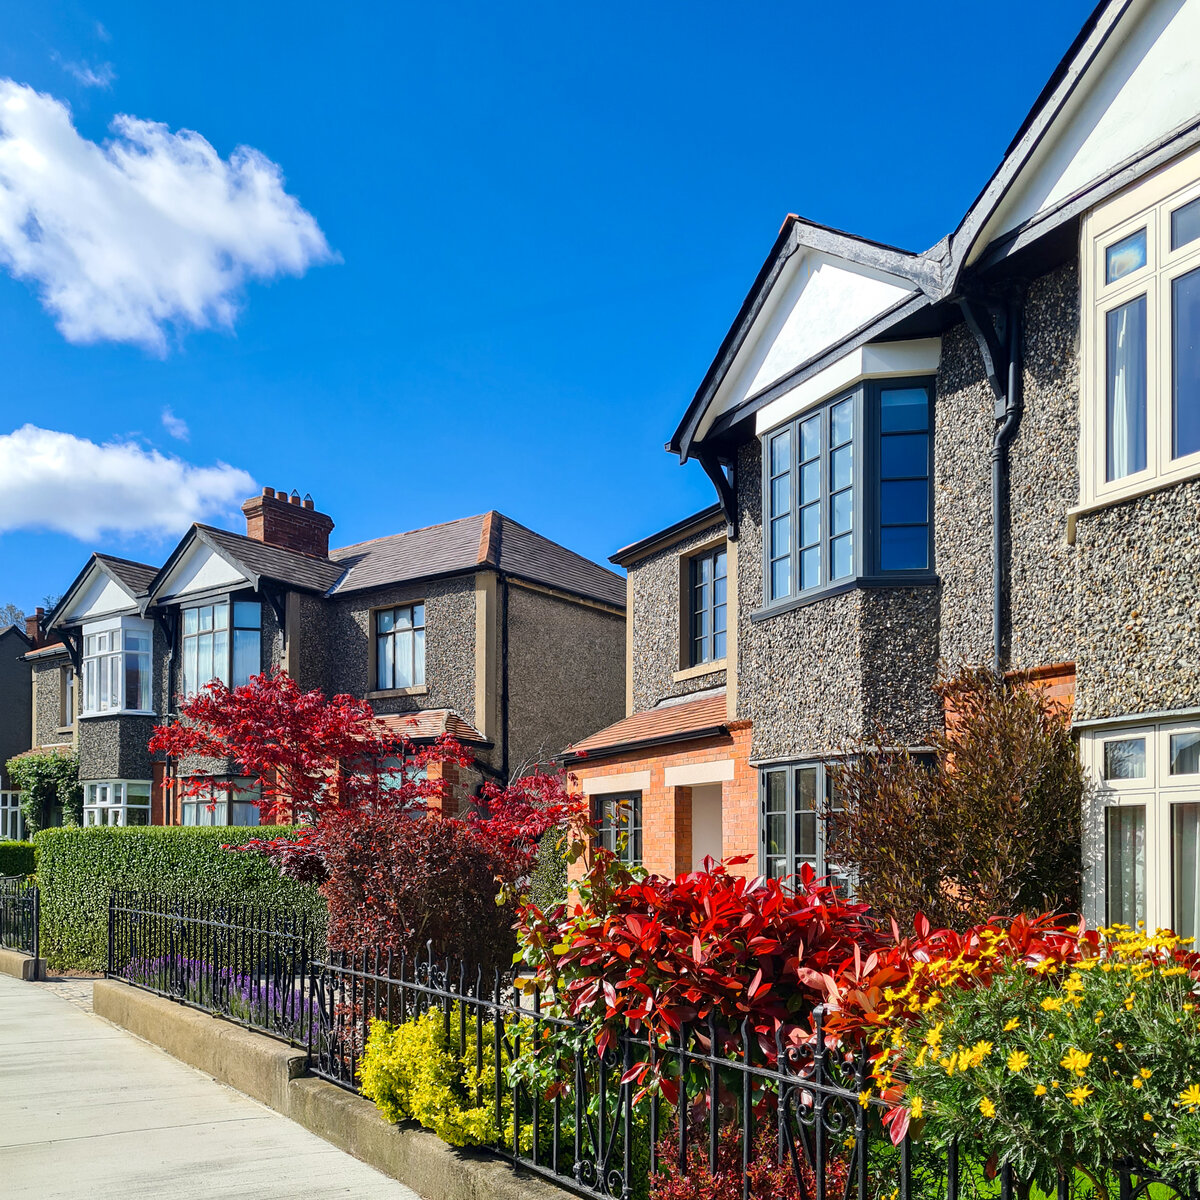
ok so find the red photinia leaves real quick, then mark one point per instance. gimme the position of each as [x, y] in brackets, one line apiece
[657, 952]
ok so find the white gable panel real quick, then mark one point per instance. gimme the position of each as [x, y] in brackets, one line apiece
[199, 570]
[1142, 86]
[98, 597]
[817, 301]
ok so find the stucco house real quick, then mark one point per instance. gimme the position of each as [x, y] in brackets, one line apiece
[986, 452]
[477, 627]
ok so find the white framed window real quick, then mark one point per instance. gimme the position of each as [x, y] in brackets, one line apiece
[12, 820]
[117, 665]
[221, 805]
[1143, 829]
[116, 802]
[1140, 395]
[214, 650]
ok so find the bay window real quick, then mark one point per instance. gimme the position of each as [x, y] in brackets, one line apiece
[117, 667]
[846, 491]
[1141, 336]
[116, 802]
[400, 647]
[1144, 826]
[222, 640]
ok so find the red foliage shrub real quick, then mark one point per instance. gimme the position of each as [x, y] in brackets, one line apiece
[769, 1179]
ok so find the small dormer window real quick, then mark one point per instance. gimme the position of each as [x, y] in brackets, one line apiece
[116, 667]
[213, 650]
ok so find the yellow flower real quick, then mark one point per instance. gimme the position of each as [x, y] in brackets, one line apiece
[1073, 984]
[1137, 1083]
[1052, 1003]
[864, 1098]
[921, 1056]
[1129, 1001]
[1191, 1097]
[1145, 1072]
[1040, 1090]
[918, 1107]
[979, 1052]
[1011, 1024]
[1079, 1095]
[1120, 1045]
[1147, 1117]
[987, 1108]
[1018, 1060]
[1076, 1061]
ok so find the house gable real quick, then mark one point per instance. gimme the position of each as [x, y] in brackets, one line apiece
[199, 569]
[1131, 84]
[96, 594]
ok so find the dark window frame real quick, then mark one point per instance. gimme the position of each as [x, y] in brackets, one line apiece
[792, 855]
[232, 600]
[603, 807]
[867, 517]
[378, 637]
[709, 655]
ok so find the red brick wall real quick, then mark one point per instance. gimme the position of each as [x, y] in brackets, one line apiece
[667, 811]
[293, 524]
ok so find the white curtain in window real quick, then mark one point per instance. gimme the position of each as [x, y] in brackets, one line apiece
[1186, 845]
[1126, 354]
[1125, 854]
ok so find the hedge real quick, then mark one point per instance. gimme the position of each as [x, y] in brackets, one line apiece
[17, 858]
[77, 869]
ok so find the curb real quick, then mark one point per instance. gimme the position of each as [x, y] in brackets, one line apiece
[21, 965]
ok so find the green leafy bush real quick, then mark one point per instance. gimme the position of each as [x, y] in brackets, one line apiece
[17, 858]
[49, 785]
[79, 868]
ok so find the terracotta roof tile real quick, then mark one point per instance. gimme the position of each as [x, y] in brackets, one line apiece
[431, 723]
[47, 651]
[670, 721]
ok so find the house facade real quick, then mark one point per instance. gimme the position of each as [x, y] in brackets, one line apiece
[16, 681]
[479, 628]
[986, 452]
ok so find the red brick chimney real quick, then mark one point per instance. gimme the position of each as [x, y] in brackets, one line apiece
[33, 626]
[282, 520]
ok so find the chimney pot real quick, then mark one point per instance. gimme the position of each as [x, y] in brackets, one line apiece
[278, 519]
[268, 491]
[294, 498]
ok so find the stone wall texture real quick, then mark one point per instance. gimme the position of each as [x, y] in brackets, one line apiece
[566, 673]
[48, 673]
[115, 747]
[654, 597]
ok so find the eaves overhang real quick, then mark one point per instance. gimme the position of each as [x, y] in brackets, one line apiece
[195, 534]
[95, 562]
[570, 757]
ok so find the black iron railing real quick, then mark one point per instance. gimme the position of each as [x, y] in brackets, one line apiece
[19, 913]
[248, 963]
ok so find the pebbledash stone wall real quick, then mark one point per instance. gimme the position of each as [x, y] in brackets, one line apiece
[816, 679]
[654, 608]
[1138, 605]
[47, 672]
[566, 673]
[1044, 485]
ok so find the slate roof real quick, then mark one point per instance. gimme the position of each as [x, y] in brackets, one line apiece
[667, 722]
[135, 576]
[431, 723]
[488, 540]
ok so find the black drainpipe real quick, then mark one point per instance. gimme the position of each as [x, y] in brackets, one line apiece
[504, 730]
[1002, 440]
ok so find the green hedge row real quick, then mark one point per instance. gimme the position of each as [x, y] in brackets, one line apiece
[78, 868]
[16, 858]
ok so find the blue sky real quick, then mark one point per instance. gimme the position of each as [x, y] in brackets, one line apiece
[507, 243]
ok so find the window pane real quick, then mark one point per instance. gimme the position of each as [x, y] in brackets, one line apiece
[1185, 850]
[700, 622]
[776, 831]
[810, 568]
[1125, 758]
[133, 681]
[841, 422]
[841, 556]
[191, 668]
[246, 655]
[781, 452]
[806, 838]
[810, 524]
[191, 620]
[806, 789]
[245, 813]
[221, 615]
[776, 788]
[841, 468]
[904, 455]
[387, 662]
[719, 586]
[221, 655]
[404, 649]
[204, 659]
[418, 657]
[247, 614]
[1185, 754]
[781, 536]
[1185, 354]
[810, 439]
[385, 621]
[903, 410]
[1125, 864]
[404, 618]
[781, 495]
[1185, 224]
[810, 482]
[843, 512]
[781, 578]
[206, 617]
[718, 645]
[904, 502]
[1126, 388]
[719, 571]
[1126, 256]
[904, 548]
[418, 615]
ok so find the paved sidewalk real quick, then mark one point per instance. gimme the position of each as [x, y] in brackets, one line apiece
[89, 1112]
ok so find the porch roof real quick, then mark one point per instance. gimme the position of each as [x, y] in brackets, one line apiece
[673, 721]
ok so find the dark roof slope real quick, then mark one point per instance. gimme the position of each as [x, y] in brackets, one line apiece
[488, 540]
[304, 571]
[136, 576]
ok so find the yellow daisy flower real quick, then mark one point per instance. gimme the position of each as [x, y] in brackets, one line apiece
[1011, 1024]
[1018, 1060]
[987, 1108]
[1191, 1096]
[1040, 1090]
[1079, 1095]
[918, 1107]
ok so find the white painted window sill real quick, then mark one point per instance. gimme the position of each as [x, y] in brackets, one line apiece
[118, 712]
[699, 671]
[389, 693]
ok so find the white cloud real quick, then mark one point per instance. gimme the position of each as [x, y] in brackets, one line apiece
[101, 76]
[56, 481]
[177, 427]
[149, 230]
